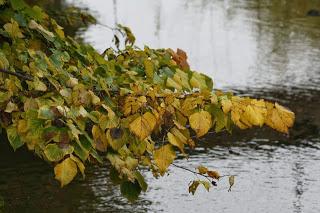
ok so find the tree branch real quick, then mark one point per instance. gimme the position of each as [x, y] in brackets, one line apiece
[189, 170]
[19, 75]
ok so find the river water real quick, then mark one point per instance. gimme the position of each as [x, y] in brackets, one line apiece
[261, 48]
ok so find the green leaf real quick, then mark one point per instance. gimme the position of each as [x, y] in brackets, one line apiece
[141, 181]
[35, 12]
[115, 176]
[4, 63]
[130, 190]
[53, 152]
[193, 186]
[4, 97]
[13, 29]
[14, 138]
[39, 85]
[45, 113]
[18, 4]
[2, 2]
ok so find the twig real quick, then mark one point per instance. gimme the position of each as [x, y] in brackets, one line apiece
[196, 173]
[106, 26]
[25, 77]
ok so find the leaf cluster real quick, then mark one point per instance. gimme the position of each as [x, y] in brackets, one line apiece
[71, 105]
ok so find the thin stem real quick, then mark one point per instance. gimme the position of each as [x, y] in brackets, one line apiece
[25, 77]
[106, 26]
[196, 173]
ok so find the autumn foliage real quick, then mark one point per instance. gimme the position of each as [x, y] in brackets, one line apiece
[134, 108]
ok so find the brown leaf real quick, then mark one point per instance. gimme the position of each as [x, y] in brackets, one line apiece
[180, 57]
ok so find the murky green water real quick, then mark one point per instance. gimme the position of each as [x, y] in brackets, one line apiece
[261, 48]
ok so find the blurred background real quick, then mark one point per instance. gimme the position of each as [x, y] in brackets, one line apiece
[263, 48]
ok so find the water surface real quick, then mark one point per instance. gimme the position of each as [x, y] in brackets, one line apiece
[260, 48]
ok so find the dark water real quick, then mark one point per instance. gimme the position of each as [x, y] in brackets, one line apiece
[260, 48]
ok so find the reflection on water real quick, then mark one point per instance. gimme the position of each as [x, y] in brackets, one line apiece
[239, 43]
[256, 47]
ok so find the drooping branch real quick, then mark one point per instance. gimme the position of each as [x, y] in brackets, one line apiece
[198, 173]
[19, 75]
[194, 172]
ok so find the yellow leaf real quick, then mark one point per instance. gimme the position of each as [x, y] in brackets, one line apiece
[163, 157]
[4, 63]
[149, 68]
[116, 138]
[202, 169]
[34, 25]
[133, 104]
[193, 186]
[22, 126]
[213, 174]
[226, 105]
[72, 82]
[65, 171]
[11, 107]
[198, 81]
[214, 99]
[94, 99]
[231, 182]
[179, 135]
[99, 138]
[143, 125]
[13, 29]
[206, 184]
[247, 112]
[175, 141]
[189, 104]
[39, 85]
[173, 84]
[279, 118]
[179, 125]
[109, 121]
[200, 122]
[79, 163]
[255, 116]
[182, 79]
